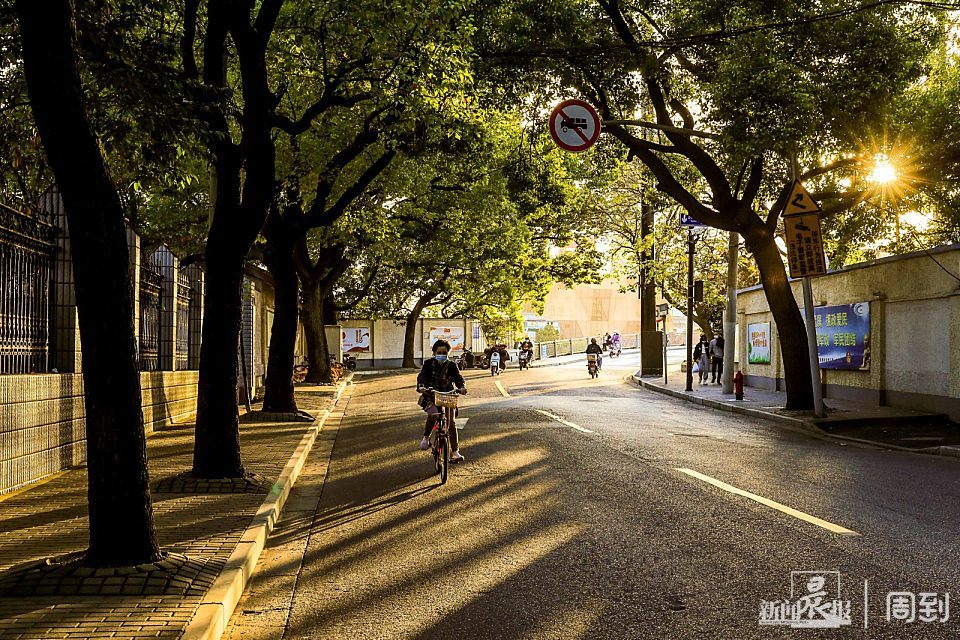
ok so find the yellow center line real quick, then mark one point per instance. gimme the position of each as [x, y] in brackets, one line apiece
[564, 422]
[503, 391]
[800, 515]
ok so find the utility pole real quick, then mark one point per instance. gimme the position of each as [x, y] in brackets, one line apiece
[730, 314]
[691, 247]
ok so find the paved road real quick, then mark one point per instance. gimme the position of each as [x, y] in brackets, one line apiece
[572, 519]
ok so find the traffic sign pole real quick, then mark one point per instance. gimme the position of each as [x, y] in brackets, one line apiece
[812, 349]
[801, 218]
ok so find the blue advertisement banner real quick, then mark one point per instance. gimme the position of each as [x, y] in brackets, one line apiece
[843, 336]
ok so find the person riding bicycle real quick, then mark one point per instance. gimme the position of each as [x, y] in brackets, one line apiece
[593, 347]
[439, 374]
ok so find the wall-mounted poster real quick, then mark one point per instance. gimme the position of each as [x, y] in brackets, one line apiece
[758, 343]
[453, 335]
[843, 336]
[355, 339]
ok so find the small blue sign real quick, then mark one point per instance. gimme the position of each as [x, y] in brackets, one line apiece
[687, 220]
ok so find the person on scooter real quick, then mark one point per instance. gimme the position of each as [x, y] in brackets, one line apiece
[615, 343]
[527, 347]
[593, 347]
[504, 355]
[440, 374]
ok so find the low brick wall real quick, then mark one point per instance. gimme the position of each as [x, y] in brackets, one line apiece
[42, 419]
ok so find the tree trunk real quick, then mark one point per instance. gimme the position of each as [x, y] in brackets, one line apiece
[329, 309]
[278, 256]
[216, 451]
[121, 515]
[318, 352]
[786, 313]
[410, 330]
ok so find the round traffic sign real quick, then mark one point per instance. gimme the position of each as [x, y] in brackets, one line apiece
[574, 125]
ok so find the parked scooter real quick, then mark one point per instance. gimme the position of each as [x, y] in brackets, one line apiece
[350, 361]
[593, 364]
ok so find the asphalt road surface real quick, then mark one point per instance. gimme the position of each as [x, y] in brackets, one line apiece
[594, 509]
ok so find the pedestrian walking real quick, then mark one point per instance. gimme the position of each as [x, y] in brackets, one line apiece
[716, 357]
[701, 356]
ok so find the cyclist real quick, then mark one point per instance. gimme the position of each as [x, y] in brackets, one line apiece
[441, 374]
[593, 347]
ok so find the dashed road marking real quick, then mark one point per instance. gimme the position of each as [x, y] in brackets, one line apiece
[461, 423]
[564, 422]
[800, 515]
[503, 391]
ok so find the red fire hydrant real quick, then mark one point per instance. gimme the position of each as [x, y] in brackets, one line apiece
[738, 384]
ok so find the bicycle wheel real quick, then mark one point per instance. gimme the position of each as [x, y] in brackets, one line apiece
[444, 456]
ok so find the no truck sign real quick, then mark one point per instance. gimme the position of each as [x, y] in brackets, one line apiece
[574, 125]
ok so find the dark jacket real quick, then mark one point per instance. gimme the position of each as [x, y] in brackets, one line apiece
[441, 376]
[594, 348]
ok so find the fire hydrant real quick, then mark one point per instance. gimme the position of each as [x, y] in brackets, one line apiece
[738, 384]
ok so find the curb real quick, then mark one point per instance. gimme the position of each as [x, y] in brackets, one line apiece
[794, 424]
[217, 606]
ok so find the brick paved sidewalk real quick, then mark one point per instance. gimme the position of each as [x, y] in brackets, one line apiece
[50, 519]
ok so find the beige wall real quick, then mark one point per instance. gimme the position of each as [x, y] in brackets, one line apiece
[42, 428]
[592, 309]
[914, 329]
[386, 339]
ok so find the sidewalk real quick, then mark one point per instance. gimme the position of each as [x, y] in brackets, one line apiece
[876, 421]
[198, 527]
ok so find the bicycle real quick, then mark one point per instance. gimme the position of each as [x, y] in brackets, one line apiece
[440, 436]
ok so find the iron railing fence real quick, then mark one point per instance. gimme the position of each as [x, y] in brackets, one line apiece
[570, 346]
[151, 302]
[26, 270]
[182, 355]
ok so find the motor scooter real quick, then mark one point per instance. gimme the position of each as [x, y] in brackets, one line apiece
[523, 359]
[593, 364]
[495, 363]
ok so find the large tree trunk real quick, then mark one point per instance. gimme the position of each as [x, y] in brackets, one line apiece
[410, 330]
[329, 309]
[121, 516]
[216, 452]
[245, 187]
[278, 257]
[318, 352]
[786, 313]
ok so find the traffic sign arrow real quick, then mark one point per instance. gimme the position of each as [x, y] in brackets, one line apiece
[800, 201]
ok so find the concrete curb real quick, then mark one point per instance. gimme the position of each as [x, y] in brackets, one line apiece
[217, 606]
[794, 424]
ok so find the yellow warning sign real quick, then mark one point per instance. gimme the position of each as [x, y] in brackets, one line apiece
[800, 201]
[804, 245]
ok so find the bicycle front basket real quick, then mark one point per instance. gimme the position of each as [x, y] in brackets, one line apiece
[445, 400]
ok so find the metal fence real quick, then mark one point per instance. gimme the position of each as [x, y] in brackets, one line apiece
[182, 355]
[151, 296]
[26, 270]
[571, 346]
